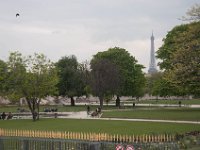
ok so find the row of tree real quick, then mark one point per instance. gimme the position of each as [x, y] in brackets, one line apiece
[112, 72]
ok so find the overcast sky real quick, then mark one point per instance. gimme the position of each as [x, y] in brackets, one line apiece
[59, 28]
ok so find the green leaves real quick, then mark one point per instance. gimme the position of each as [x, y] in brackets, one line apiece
[33, 77]
[71, 81]
[130, 73]
[180, 55]
[3, 76]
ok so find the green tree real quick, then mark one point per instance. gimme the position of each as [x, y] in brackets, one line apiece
[132, 79]
[180, 55]
[171, 44]
[33, 78]
[104, 79]
[42, 77]
[71, 82]
[16, 76]
[139, 82]
[165, 87]
[84, 69]
[3, 77]
[151, 79]
[186, 66]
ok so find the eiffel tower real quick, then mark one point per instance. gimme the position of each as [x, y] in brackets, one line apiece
[152, 64]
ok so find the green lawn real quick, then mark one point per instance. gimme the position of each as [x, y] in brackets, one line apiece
[184, 102]
[102, 126]
[190, 114]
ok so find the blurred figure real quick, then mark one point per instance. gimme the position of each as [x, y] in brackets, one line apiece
[3, 115]
[9, 116]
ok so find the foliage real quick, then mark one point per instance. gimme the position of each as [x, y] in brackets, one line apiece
[188, 142]
[108, 98]
[186, 60]
[164, 87]
[84, 69]
[193, 14]
[3, 76]
[32, 78]
[170, 45]
[180, 55]
[16, 76]
[104, 78]
[130, 73]
[71, 83]
[151, 80]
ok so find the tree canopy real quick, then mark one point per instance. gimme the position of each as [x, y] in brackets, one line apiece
[130, 73]
[105, 79]
[33, 77]
[180, 55]
[71, 82]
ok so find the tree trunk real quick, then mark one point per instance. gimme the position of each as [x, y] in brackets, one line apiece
[31, 105]
[101, 101]
[38, 109]
[34, 115]
[118, 102]
[72, 101]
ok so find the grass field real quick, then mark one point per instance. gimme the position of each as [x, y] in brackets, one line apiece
[184, 102]
[190, 114]
[163, 113]
[160, 101]
[99, 126]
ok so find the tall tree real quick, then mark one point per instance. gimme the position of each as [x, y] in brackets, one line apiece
[70, 81]
[180, 55]
[186, 60]
[130, 72]
[104, 79]
[41, 80]
[33, 78]
[84, 69]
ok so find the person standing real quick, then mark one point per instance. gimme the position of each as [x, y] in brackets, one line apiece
[3, 115]
[88, 110]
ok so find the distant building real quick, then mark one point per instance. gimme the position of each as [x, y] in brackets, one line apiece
[152, 64]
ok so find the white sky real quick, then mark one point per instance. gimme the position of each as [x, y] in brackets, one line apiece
[58, 28]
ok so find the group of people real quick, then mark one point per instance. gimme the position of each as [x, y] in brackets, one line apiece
[50, 109]
[4, 116]
[97, 112]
